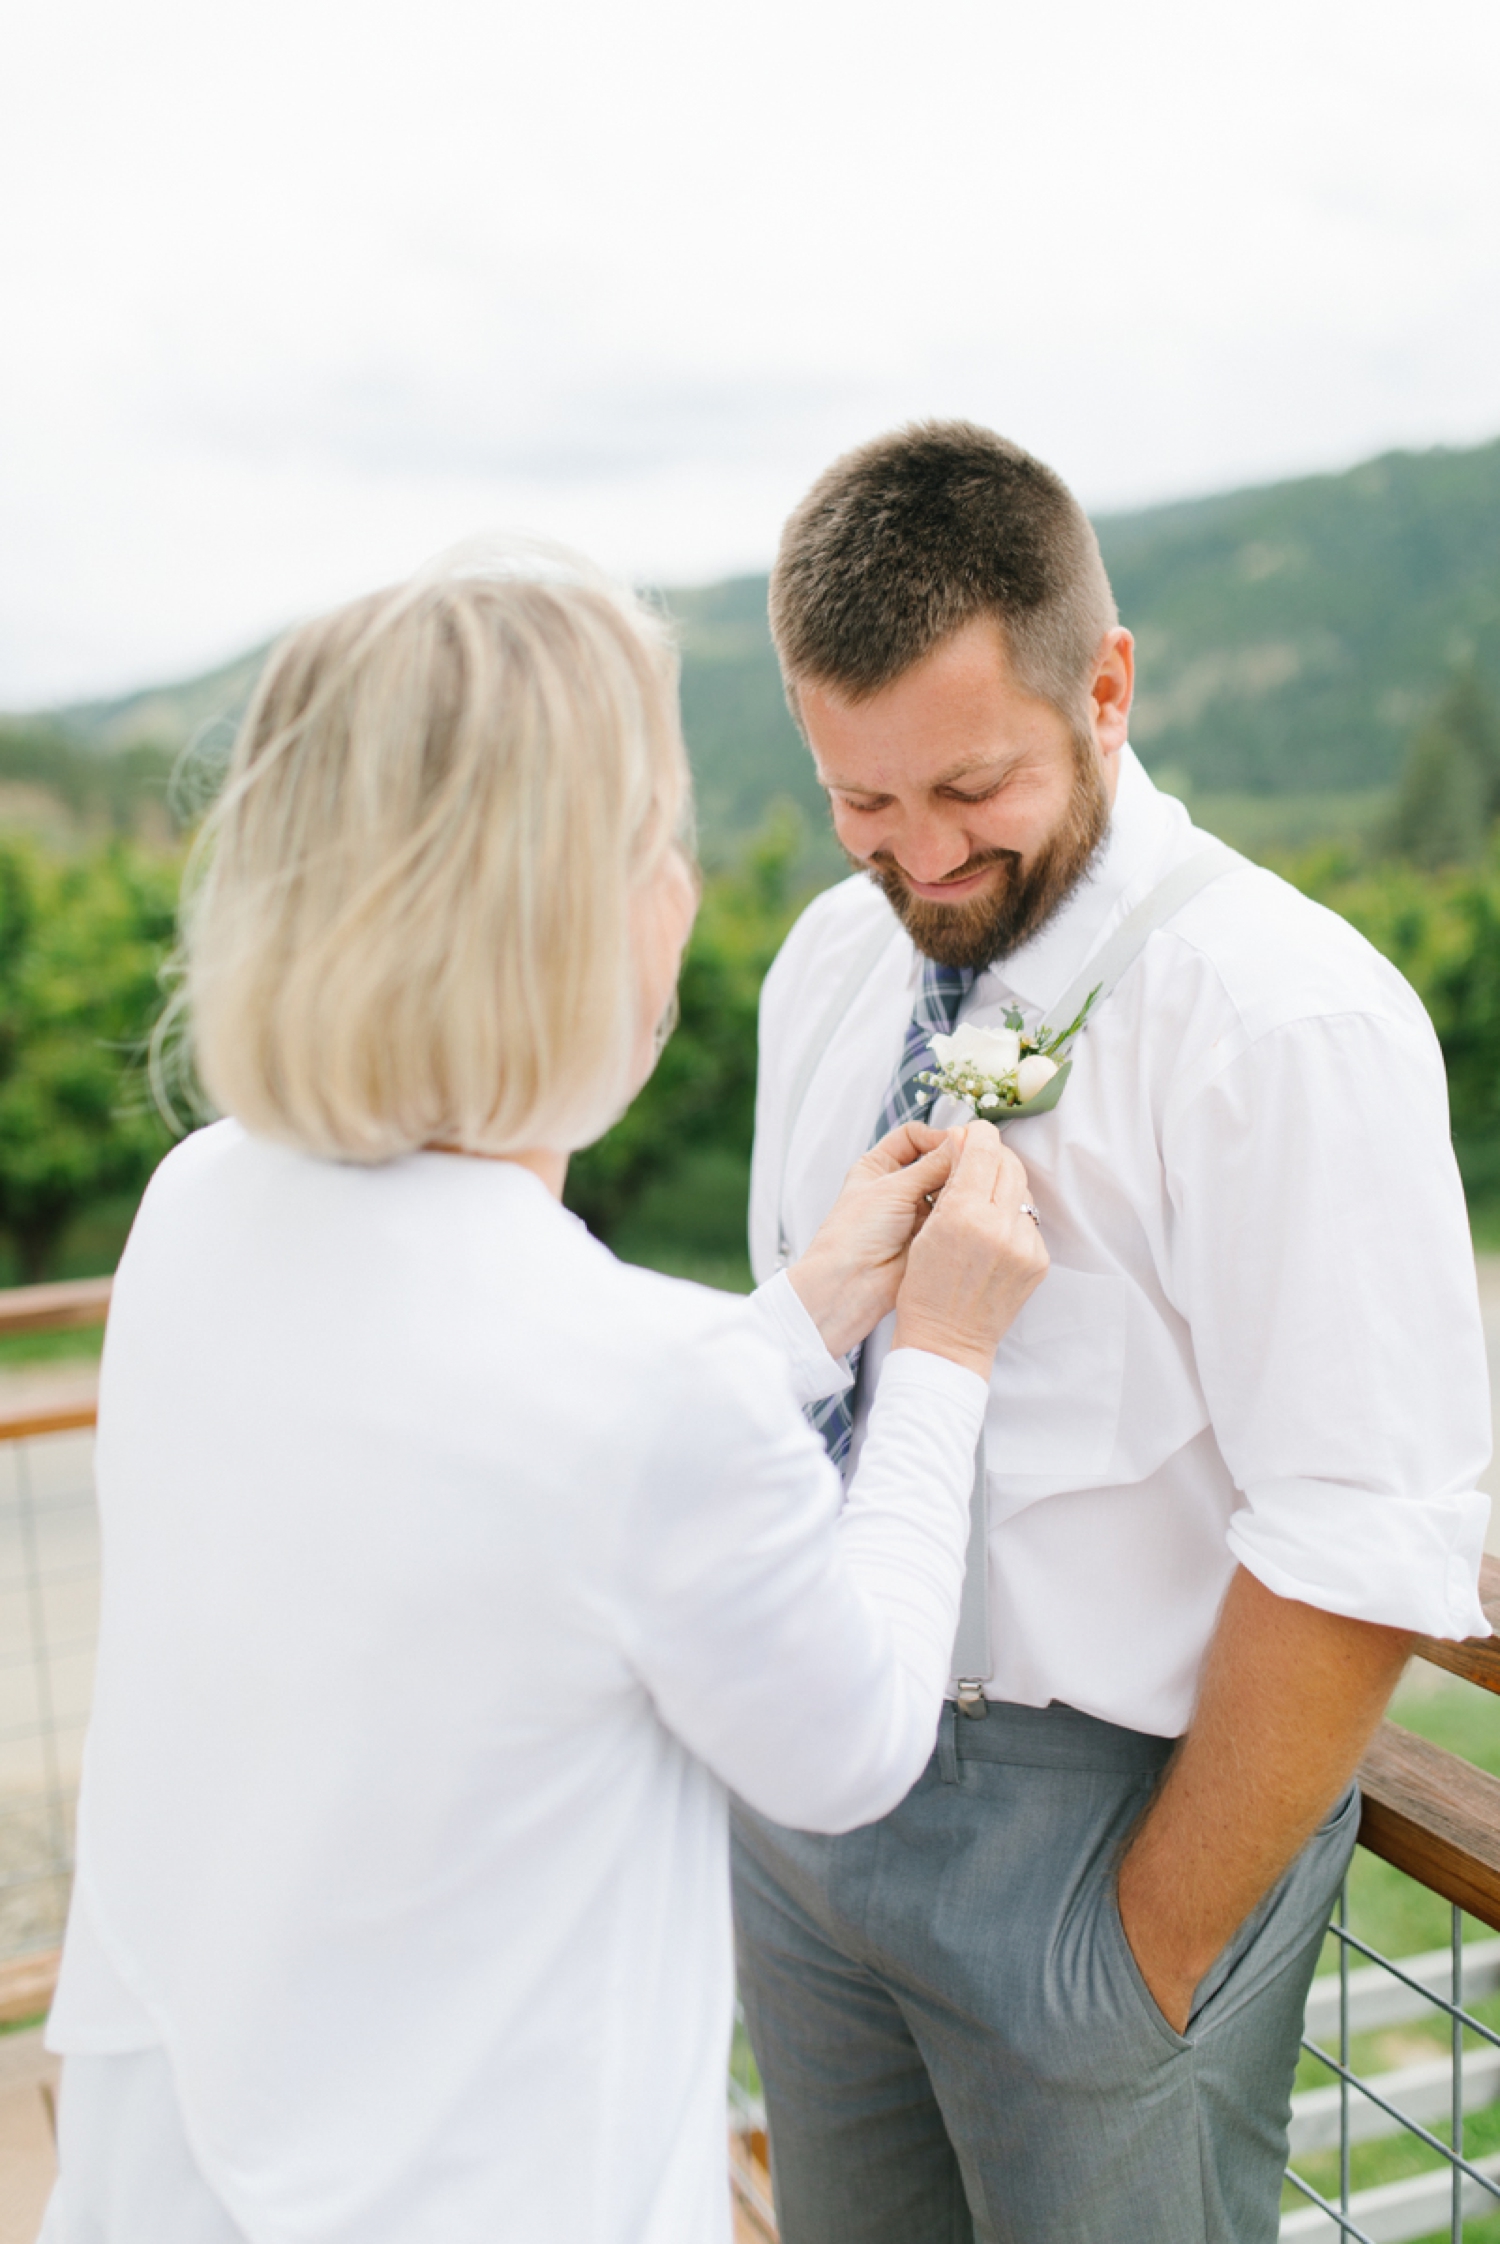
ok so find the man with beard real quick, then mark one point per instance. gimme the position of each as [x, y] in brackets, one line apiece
[1230, 1455]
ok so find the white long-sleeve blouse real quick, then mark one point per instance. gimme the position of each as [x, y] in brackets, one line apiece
[452, 1572]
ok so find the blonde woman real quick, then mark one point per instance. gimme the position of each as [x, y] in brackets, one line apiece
[453, 1570]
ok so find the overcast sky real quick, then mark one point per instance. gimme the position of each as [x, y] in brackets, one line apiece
[293, 295]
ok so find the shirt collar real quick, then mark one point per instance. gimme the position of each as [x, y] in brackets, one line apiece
[1146, 830]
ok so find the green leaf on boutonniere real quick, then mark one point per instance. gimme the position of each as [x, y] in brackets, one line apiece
[1050, 1044]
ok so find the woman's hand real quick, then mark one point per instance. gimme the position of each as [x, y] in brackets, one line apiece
[850, 1275]
[977, 1259]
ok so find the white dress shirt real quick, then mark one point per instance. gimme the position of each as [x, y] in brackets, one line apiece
[1259, 1339]
[452, 1570]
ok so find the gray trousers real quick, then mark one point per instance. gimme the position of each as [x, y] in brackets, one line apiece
[955, 2043]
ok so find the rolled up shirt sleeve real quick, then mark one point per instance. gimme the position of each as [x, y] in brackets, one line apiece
[1320, 1253]
[779, 1314]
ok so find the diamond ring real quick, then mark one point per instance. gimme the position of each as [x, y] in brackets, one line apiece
[1028, 1209]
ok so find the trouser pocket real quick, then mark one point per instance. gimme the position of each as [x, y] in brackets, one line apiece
[1127, 1973]
[1278, 1931]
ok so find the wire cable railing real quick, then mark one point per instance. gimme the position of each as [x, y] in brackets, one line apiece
[49, 1576]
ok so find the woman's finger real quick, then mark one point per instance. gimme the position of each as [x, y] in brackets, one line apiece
[922, 1178]
[975, 1171]
[901, 1146]
[1011, 1185]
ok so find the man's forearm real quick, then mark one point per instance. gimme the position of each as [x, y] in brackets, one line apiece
[1289, 1699]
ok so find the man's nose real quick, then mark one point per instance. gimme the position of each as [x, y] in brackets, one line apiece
[929, 849]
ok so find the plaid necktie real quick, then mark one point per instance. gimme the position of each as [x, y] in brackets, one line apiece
[943, 991]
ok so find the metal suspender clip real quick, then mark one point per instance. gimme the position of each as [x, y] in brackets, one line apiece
[971, 1645]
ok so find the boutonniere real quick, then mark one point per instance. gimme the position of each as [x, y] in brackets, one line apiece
[999, 1072]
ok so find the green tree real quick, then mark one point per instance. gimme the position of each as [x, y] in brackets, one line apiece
[702, 1095]
[123, 791]
[1449, 797]
[1463, 996]
[82, 939]
[1442, 930]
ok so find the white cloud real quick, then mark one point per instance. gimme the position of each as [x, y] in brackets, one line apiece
[294, 297]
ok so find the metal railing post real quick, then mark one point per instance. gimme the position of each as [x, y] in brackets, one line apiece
[41, 1656]
[1344, 2050]
[1457, 2217]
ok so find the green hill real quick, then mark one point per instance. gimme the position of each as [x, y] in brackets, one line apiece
[167, 716]
[1290, 637]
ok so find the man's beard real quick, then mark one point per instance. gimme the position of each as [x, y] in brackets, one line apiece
[1002, 917]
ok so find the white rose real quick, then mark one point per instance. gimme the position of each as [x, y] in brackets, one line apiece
[1033, 1075]
[991, 1052]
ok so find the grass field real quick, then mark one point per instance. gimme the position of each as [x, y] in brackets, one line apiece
[23, 1351]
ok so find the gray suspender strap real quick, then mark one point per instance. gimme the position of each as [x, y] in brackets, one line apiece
[973, 1662]
[1136, 929]
[973, 1659]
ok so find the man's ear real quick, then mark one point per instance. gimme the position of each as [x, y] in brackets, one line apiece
[1113, 690]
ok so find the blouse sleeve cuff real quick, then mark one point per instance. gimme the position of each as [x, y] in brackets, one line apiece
[783, 1319]
[916, 1371]
[1402, 1562]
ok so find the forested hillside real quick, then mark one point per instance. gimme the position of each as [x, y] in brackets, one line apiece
[1290, 639]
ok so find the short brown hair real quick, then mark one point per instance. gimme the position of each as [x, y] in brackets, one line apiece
[902, 542]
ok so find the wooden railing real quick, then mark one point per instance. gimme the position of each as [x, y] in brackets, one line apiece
[64, 1308]
[1431, 1814]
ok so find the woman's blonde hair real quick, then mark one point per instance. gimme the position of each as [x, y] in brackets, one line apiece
[410, 921]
